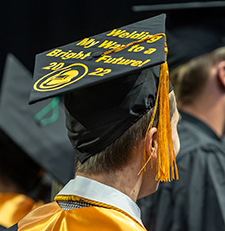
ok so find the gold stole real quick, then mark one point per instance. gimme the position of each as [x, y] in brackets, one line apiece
[52, 217]
[14, 206]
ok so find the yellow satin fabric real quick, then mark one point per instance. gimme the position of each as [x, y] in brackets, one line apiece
[13, 207]
[51, 217]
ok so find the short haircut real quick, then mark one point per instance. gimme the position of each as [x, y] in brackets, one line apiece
[119, 152]
[190, 78]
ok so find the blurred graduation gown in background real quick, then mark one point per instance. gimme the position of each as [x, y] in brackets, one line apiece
[195, 202]
[37, 138]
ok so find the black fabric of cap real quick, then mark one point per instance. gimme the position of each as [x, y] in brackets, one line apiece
[192, 33]
[109, 109]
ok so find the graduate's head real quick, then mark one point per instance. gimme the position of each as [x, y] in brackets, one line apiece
[116, 88]
[119, 152]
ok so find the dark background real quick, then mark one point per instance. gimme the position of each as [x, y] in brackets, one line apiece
[29, 27]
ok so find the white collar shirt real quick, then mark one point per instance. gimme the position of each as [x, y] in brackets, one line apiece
[93, 190]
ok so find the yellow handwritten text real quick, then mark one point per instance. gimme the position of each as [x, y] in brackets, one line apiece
[110, 44]
[133, 35]
[122, 61]
[100, 72]
[86, 43]
[68, 54]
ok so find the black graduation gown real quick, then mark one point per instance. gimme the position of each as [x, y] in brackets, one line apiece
[12, 228]
[2, 228]
[195, 202]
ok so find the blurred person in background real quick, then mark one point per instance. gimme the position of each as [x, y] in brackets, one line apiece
[196, 201]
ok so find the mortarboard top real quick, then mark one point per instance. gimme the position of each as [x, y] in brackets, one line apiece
[108, 85]
[38, 129]
[81, 62]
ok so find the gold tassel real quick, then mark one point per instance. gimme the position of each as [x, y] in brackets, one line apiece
[166, 159]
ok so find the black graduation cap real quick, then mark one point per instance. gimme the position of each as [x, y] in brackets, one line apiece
[111, 81]
[193, 27]
[38, 129]
[190, 41]
[81, 64]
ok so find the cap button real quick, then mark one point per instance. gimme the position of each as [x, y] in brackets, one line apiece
[97, 54]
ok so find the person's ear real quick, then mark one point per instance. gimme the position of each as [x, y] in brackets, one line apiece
[221, 73]
[152, 144]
